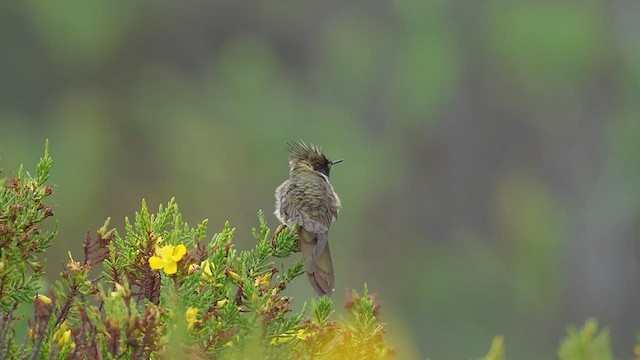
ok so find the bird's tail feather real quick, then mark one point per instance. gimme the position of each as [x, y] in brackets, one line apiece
[319, 270]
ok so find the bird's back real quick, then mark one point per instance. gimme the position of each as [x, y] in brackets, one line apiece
[310, 193]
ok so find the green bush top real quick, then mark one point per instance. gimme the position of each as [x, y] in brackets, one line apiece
[162, 289]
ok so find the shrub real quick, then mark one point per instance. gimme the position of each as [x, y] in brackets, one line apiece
[164, 291]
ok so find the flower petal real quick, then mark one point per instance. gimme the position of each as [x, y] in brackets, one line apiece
[179, 252]
[156, 263]
[43, 298]
[170, 268]
[191, 315]
[206, 265]
[166, 252]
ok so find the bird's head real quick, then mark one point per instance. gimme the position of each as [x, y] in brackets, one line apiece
[301, 154]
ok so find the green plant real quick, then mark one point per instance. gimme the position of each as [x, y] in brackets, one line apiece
[586, 343]
[22, 239]
[496, 351]
[164, 291]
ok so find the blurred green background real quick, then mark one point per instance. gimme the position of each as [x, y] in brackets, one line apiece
[492, 168]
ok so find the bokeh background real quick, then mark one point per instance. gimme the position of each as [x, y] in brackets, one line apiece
[492, 148]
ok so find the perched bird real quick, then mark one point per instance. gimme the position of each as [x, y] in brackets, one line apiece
[307, 200]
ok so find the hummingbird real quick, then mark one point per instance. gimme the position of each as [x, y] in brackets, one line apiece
[307, 200]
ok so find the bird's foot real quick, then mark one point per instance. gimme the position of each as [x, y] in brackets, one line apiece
[278, 230]
[275, 234]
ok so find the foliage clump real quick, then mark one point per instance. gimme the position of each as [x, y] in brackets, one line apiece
[586, 343]
[162, 289]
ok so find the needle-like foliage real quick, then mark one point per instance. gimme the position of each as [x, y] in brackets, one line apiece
[163, 289]
[159, 289]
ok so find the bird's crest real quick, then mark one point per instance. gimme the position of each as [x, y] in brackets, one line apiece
[300, 151]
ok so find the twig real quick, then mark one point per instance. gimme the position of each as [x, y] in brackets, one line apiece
[5, 328]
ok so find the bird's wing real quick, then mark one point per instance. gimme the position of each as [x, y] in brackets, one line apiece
[323, 241]
[291, 212]
[328, 213]
[295, 205]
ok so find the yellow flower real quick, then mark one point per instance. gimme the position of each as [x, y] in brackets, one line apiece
[167, 259]
[193, 268]
[263, 280]
[279, 339]
[233, 275]
[206, 265]
[43, 298]
[63, 337]
[302, 334]
[192, 316]
[220, 303]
